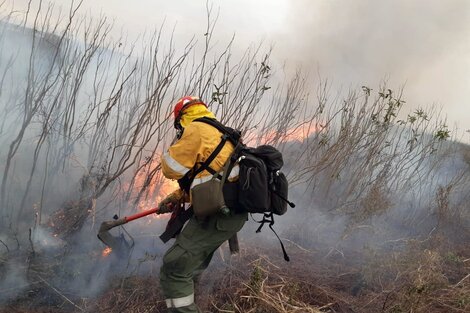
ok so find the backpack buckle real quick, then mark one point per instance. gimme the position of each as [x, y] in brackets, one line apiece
[241, 158]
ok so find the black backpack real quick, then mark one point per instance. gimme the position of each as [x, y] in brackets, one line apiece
[261, 186]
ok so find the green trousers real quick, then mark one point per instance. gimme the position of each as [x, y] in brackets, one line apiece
[191, 254]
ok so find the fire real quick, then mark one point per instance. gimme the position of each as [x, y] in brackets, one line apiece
[300, 133]
[106, 252]
[158, 192]
[167, 187]
[159, 188]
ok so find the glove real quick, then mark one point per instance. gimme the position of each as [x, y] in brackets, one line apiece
[171, 202]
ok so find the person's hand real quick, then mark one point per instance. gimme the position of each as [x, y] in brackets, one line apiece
[166, 207]
[171, 202]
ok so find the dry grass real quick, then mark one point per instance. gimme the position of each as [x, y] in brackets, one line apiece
[132, 295]
[418, 280]
[427, 276]
[261, 286]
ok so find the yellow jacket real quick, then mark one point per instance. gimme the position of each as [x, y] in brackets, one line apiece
[196, 144]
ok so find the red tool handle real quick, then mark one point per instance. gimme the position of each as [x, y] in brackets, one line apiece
[141, 214]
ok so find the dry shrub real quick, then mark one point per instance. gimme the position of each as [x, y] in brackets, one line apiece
[452, 217]
[466, 154]
[69, 220]
[374, 203]
[443, 209]
[418, 279]
[264, 294]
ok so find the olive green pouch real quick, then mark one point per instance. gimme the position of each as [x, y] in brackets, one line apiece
[207, 198]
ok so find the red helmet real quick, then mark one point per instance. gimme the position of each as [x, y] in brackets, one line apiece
[185, 103]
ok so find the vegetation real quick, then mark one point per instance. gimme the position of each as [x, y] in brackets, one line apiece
[382, 222]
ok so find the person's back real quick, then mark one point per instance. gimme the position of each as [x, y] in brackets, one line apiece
[196, 144]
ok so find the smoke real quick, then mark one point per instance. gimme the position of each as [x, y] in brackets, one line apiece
[356, 43]
[49, 245]
[423, 45]
[12, 283]
[384, 218]
[45, 242]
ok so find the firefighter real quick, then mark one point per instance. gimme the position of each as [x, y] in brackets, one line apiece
[195, 245]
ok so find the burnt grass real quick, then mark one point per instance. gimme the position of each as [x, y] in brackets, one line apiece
[424, 276]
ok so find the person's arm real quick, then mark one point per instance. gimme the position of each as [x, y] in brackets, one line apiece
[182, 155]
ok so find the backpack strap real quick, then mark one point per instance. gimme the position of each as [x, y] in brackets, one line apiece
[227, 134]
[186, 181]
[234, 135]
[291, 204]
[269, 218]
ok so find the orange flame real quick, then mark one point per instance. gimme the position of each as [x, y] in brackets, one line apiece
[159, 188]
[159, 192]
[106, 252]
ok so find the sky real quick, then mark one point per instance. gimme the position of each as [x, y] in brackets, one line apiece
[421, 45]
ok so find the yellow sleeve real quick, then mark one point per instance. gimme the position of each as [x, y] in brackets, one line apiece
[182, 155]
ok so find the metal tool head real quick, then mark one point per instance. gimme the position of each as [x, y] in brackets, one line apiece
[119, 245]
